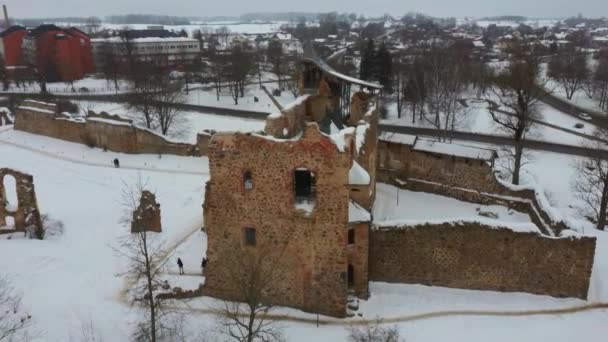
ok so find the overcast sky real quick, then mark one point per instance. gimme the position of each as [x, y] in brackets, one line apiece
[442, 8]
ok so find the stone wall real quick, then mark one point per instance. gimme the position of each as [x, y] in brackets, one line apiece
[289, 122]
[101, 130]
[146, 217]
[473, 256]
[312, 259]
[25, 212]
[448, 170]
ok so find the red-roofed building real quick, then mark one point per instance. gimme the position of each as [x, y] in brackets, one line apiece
[10, 44]
[58, 54]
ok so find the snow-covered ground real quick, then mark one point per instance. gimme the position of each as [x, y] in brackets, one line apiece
[93, 86]
[580, 98]
[188, 125]
[477, 119]
[208, 97]
[74, 276]
[394, 204]
[69, 278]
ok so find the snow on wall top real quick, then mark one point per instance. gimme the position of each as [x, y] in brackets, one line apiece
[36, 109]
[493, 224]
[339, 139]
[357, 175]
[455, 150]
[398, 138]
[360, 133]
[297, 102]
[326, 68]
[357, 214]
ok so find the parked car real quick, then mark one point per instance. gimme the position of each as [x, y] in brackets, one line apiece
[585, 116]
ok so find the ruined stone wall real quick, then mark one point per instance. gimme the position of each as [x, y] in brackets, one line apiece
[100, 131]
[474, 256]
[358, 254]
[367, 157]
[312, 253]
[392, 156]
[25, 212]
[455, 171]
[289, 122]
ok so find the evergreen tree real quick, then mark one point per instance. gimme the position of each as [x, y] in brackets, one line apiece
[383, 68]
[367, 61]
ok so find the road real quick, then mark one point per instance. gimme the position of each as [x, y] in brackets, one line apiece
[467, 136]
[498, 140]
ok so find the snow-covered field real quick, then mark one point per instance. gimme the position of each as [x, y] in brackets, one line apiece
[73, 277]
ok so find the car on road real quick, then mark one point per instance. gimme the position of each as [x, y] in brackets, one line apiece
[585, 116]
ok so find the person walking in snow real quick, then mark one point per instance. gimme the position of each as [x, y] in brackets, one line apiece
[180, 264]
[204, 264]
[116, 162]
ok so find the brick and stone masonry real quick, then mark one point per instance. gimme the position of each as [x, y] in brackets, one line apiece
[25, 212]
[313, 259]
[147, 215]
[470, 255]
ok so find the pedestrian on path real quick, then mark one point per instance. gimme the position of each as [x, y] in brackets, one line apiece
[180, 264]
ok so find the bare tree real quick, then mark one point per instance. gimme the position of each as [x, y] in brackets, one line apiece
[591, 183]
[276, 58]
[93, 24]
[401, 81]
[110, 67]
[518, 93]
[374, 333]
[87, 332]
[238, 71]
[600, 79]
[569, 68]
[12, 318]
[164, 105]
[223, 33]
[444, 85]
[4, 75]
[145, 262]
[252, 273]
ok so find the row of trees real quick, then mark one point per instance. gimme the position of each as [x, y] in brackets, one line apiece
[571, 69]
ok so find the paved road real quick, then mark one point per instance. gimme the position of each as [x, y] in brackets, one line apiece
[498, 140]
[597, 118]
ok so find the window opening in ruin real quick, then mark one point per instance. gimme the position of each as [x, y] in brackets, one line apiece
[247, 180]
[350, 275]
[304, 186]
[10, 191]
[351, 236]
[249, 236]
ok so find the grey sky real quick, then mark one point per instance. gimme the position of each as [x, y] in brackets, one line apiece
[458, 8]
